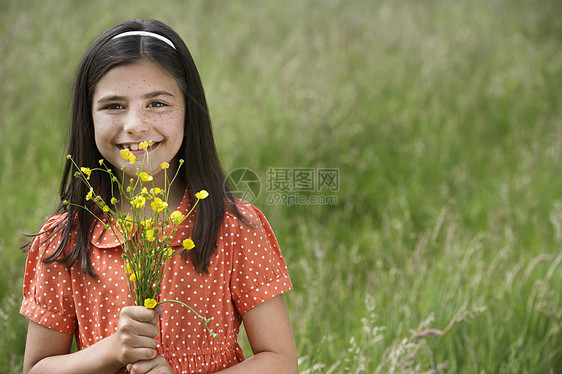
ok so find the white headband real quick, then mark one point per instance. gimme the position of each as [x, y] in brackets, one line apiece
[146, 33]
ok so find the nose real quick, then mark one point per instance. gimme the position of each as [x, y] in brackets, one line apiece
[135, 121]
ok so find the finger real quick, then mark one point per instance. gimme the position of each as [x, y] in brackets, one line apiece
[159, 309]
[143, 342]
[140, 313]
[136, 328]
[138, 354]
[146, 330]
[143, 314]
[146, 366]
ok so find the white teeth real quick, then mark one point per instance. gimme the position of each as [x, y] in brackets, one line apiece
[134, 147]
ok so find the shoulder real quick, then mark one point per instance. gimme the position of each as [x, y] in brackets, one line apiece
[244, 212]
[50, 235]
[244, 222]
[53, 222]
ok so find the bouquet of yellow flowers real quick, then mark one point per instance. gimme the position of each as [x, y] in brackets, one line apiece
[146, 234]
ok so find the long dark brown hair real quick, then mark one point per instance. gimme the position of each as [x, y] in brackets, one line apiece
[202, 169]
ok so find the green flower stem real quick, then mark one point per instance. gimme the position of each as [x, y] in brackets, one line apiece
[203, 319]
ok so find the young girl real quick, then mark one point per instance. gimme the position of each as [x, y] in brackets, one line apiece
[137, 82]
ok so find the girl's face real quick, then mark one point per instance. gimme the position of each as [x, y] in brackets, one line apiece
[139, 102]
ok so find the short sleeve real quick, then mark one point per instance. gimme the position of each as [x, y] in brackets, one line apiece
[259, 271]
[47, 288]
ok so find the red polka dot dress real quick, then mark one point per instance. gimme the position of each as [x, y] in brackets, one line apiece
[246, 269]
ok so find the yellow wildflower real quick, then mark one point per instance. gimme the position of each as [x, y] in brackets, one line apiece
[155, 191]
[143, 145]
[201, 194]
[138, 202]
[90, 194]
[176, 217]
[105, 209]
[101, 161]
[86, 171]
[146, 223]
[188, 244]
[128, 268]
[125, 223]
[133, 278]
[150, 303]
[125, 153]
[164, 165]
[145, 176]
[170, 252]
[150, 235]
[158, 205]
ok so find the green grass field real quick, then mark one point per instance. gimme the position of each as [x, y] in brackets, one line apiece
[444, 119]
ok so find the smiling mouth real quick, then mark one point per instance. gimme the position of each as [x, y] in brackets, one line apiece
[136, 146]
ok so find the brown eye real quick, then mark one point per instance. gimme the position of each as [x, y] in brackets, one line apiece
[156, 104]
[114, 107]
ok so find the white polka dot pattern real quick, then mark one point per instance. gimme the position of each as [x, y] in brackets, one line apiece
[246, 270]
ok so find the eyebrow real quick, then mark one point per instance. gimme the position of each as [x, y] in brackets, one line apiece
[149, 95]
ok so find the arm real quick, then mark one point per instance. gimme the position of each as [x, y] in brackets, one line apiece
[48, 351]
[271, 338]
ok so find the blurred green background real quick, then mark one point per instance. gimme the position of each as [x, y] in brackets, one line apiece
[443, 119]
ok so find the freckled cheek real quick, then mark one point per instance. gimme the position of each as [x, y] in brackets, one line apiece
[105, 129]
[169, 121]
